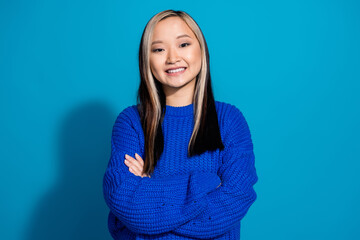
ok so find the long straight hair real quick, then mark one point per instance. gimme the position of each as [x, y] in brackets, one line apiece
[151, 99]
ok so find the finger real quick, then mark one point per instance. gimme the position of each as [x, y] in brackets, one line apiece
[134, 162]
[132, 171]
[135, 171]
[132, 167]
[140, 160]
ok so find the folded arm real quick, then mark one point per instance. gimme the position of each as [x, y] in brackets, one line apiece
[150, 205]
[229, 203]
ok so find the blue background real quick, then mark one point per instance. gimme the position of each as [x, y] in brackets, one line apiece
[68, 68]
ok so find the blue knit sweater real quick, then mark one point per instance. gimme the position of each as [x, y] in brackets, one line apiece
[182, 199]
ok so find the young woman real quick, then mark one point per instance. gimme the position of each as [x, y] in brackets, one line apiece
[182, 164]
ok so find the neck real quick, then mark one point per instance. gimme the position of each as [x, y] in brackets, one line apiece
[180, 96]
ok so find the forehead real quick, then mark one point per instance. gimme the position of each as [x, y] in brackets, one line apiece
[169, 28]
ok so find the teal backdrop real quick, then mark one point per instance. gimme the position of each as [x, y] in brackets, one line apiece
[68, 68]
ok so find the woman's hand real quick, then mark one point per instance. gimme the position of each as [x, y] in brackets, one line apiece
[135, 165]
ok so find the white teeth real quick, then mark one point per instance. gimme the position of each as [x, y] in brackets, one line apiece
[176, 70]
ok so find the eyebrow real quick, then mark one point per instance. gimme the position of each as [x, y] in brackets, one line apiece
[180, 36]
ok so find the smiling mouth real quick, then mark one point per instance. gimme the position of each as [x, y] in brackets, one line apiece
[175, 71]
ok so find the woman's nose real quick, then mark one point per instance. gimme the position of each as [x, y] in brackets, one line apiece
[172, 56]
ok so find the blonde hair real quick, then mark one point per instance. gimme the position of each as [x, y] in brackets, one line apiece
[151, 97]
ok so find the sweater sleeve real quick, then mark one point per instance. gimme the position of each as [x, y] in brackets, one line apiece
[229, 203]
[150, 205]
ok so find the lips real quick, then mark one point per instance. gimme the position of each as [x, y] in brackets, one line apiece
[174, 70]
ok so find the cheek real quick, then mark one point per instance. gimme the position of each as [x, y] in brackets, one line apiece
[154, 66]
[197, 60]
[196, 57]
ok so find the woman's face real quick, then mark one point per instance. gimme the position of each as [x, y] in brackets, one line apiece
[175, 55]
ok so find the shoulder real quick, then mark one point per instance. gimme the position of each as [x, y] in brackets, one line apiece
[127, 129]
[233, 125]
[128, 117]
[228, 113]
[128, 112]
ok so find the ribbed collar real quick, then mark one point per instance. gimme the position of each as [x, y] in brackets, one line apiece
[180, 111]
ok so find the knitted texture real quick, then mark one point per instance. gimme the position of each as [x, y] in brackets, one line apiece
[182, 199]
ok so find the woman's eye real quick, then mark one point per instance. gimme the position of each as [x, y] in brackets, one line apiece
[184, 44]
[157, 50]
